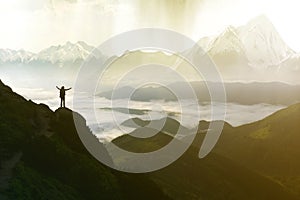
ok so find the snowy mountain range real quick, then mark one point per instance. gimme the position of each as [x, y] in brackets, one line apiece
[13, 56]
[256, 46]
[61, 54]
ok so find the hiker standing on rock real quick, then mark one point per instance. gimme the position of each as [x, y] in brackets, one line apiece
[62, 94]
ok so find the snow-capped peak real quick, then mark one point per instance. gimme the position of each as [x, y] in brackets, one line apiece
[15, 56]
[69, 52]
[258, 41]
[263, 44]
[227, 41]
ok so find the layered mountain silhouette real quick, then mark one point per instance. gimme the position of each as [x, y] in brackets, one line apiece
[241, 93]
[267, 149]
[217, 176]
[41, 157]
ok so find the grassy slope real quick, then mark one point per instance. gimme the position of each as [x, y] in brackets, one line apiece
[269, 146]
[214, 177]
[54, 164]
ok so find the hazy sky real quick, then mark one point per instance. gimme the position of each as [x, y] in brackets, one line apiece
[37, 24]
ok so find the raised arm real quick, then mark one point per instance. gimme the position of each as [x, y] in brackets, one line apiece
[58, 88]
[68, 89]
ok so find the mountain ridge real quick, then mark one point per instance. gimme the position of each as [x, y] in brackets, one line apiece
[277, 93]
[258, 40]
[268, 147]
[196, 175]
[51, 162]
[55, 54]
[256, 44]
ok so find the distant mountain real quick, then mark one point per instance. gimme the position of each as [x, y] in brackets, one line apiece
[69, 53]
[167, 125]
[227, 49]
[241, 93]
[263, 45]
[64, 53]
[140, 94]
[13, 56]
[257, 44]
[254, 51]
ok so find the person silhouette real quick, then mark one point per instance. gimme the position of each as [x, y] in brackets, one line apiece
[62, 94]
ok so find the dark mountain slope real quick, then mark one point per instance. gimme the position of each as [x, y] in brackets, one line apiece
[269, 146]
[214, 177]
[51, 161]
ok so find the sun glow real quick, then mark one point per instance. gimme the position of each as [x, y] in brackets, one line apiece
[37, 24]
